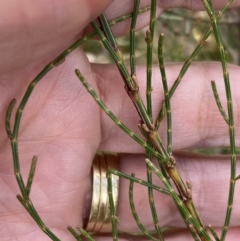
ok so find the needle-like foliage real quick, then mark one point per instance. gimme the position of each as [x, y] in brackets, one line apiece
[174, 186]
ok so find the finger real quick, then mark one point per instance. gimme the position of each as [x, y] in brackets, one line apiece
[196, 121]
[210, 184]
[32, 30]
[28, 38]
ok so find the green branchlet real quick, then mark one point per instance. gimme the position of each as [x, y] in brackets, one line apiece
[229, 118]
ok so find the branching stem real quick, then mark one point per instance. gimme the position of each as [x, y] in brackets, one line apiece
[230, 117]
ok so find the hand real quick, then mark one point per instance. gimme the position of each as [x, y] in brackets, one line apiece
[64, 127]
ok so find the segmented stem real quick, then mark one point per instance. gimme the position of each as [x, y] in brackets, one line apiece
[8, 117]
[32, 211]
[109, 35]
[129, 15]
[115, 119]
[132, 37]
[160, 116]
[166, 94]
[139, 181]
[107, 31]
[209, 8]
[214, 234]
[196, 51]
[85, 234]
[31, 176]
[25, 190]
[237, 178]
[119, 63]
[74, 233]
[134, 213]
[194, 233]
[151, 200]
[188, 218]
[131, 85]
[114, 218]
[218, 102]
[149, 40]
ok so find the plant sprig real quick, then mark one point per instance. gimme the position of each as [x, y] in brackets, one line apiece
[167, 172]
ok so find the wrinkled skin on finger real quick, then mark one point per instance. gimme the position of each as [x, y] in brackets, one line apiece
[64, 127]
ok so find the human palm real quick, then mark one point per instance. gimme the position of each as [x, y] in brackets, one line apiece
[63, 126]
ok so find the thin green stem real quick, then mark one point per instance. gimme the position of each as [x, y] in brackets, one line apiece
[13, 140]
[127, 78]
[160, 116]
[131, 85]
[107, 31]
[150, 192]
[115, 119]
[237, 178]
[109, 35]
[134, 213]
[139, 181]
[196, 51]
[25, 190]
[218, 102]
[129, 15]
[209, 8]
[132, 37]
[214, 234]
[190, 205]
[32, 211]
[166, 94]
[149, 40]
[154, 138]
[114, 218]
[187, 216]
[8, 118]
[74, 233]
[31, 176]
[152, 202]
[85, 234]
[194, 233]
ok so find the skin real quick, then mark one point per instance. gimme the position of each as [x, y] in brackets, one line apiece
[64, 127]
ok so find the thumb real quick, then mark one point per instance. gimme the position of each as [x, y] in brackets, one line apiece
[31, 30]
